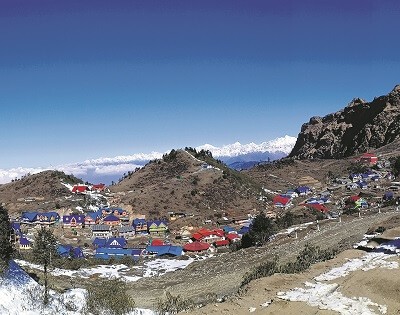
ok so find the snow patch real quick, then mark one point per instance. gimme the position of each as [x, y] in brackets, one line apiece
[326, 297]
[368, 262]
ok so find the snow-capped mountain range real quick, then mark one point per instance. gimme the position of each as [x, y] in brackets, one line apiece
[107, 169]
[280, 145]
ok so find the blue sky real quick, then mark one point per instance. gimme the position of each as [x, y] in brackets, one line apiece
[84, 79]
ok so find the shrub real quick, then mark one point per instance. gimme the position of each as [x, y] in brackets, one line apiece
[109, 297]
[309, 255]
[263, 270]
[172, 304]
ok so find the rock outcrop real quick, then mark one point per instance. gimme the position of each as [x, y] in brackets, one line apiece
[359, 127]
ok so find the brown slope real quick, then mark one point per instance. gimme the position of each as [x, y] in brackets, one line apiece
[291, 173]
[357, 128]
[183, 184]
[39, 189]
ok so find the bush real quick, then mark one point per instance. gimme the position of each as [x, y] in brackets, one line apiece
[309, 255]
[172, 305]
[263, 270]
[109, 297]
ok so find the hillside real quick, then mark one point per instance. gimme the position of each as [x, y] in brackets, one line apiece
[359, 127]
[36, 191]
[290, 173]
[181, 182]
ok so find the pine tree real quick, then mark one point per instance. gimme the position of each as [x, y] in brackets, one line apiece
[6, 248]
[261, 229]
[44, 251]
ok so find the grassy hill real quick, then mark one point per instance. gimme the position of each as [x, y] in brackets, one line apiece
[191, 182]
[41, 190]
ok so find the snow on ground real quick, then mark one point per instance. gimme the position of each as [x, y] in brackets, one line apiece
[299, 227]
[21, 295]
[365, 240]
[327, 296]
[159, 267]
[69, 186]
[150, 268]
[367, 262]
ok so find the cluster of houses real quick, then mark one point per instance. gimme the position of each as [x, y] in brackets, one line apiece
[354, 181]
[199, 241]
[110, 239]
[24, 243]
[285, 200]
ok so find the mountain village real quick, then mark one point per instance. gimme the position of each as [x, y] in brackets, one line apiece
[190, 229]
[108, 232]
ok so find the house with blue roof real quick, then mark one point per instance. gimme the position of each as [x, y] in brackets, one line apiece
[47, 217]
[24, 243]
[388, 196]
[140, 226]
[16, 230]
[362, 184]
[115, 242]
[111, 220]
[107, 253]
[29, 217]
[244, 230]
[93, 218]
[229, 229]
[68, 251]
[40, 217]
[164, 250]
[99, 242]
[303, 190]
[74, 220]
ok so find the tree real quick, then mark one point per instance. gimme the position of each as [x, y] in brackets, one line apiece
[395, 165]
[261, 230]
[6, 248]
[285, 221]
[109, 297]
[44, 251]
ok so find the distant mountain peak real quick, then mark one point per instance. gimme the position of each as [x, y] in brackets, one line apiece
[283, 144]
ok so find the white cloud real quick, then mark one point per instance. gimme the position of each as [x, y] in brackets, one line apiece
[106, 167]
[7, 176]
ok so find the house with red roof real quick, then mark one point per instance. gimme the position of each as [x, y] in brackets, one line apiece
[368, 158]
[209, 236]
[317, 206]
[221, 243]
[196, 247]
[80, 189]
[98, 187]
[281, 202]
[232, 237]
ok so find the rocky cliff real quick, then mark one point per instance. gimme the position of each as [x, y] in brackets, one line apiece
[359, 127]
